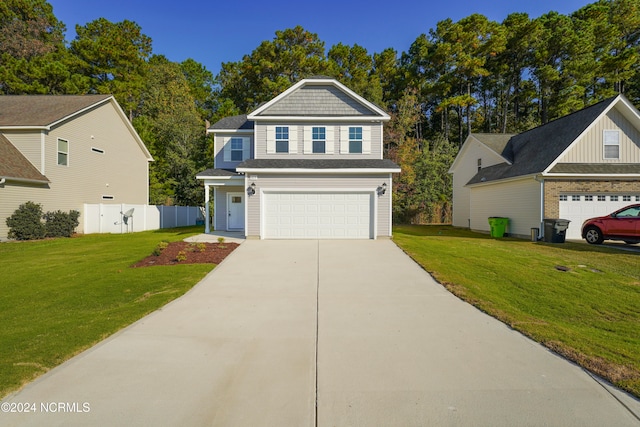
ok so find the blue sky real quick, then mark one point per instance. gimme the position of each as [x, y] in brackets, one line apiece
[212, 32]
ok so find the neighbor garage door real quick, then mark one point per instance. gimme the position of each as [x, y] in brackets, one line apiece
[318, 215]
[579, 207]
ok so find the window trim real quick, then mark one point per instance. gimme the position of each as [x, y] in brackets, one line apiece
[318, 140]
[66, 153]
[356, 140]
[282, 140]
[607, 134]
[236, 150]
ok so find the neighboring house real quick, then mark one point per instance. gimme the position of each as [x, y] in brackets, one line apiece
[63, 151]
[583, 165]
[307, 164]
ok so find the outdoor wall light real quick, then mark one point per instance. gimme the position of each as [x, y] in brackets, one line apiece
[251, 190]
[382, 189]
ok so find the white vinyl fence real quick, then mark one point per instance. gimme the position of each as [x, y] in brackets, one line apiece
[125, 218]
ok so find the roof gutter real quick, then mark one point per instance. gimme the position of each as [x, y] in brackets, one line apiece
[25, 180]
[591, 175]
[318, 171]
[499, 181]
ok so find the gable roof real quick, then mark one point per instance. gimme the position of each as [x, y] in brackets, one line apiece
[233, 123]
[14, 166]
[496, 142]
[43, 111]
[535, 151]
[319, 97]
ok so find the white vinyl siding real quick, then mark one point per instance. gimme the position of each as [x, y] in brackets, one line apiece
[236, 148]
[589, 149]
[517, 200]
[466, 168]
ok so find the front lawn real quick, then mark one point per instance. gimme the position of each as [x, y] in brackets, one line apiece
[60, 297]
[589, 313]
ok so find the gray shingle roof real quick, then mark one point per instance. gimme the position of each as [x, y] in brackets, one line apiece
[42, 110]
[533, 151]
[13, 165]
[234, 122]
[318, 164]
[496, 141]
[218, 173]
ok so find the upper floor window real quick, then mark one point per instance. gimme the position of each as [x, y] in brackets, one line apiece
[63, 152]
[479, 164]
[318, 139]
[611, 144]
[355, 139]
[236, 149]
[282, 139]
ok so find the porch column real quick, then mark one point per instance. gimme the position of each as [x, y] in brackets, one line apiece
[207, 228]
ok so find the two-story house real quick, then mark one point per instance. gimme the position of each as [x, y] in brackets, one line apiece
[583, 165]
[63, 151]
[306, 165]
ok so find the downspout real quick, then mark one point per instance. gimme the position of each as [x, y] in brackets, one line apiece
[541, 225]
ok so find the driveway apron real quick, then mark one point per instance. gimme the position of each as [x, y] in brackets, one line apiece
[327, 333]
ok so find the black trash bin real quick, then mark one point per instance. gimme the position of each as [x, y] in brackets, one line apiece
[555, 230]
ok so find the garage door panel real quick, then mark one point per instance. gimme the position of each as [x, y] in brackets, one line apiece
[318, 215]
[579, 207]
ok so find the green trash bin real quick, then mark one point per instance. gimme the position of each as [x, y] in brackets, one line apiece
[498, 225]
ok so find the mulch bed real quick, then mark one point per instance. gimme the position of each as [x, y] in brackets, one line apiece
[196, 253]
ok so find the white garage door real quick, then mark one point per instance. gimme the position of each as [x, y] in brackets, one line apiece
[309, 215]
[579, 207]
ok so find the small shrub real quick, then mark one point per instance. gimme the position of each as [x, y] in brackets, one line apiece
[220, 240]
[61, 224]
[161, 247]
[182, 256]
[202, 247]
[26, 222]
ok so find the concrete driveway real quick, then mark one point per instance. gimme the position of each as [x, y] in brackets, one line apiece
[327, 333]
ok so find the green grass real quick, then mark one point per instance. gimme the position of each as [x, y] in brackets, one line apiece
[60, 297]
[589, 314]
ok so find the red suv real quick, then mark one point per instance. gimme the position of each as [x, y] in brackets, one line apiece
[623, 224]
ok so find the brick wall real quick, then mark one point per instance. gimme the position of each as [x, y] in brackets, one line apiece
[553, 188]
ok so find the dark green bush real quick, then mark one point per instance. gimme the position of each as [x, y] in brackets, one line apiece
[26, 222]
[61, 224]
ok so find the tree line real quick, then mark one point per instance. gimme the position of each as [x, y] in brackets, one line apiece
[473, 75]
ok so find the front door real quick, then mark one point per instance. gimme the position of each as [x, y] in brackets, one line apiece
[235, 211]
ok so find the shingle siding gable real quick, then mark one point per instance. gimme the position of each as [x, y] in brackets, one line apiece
[318, 101]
